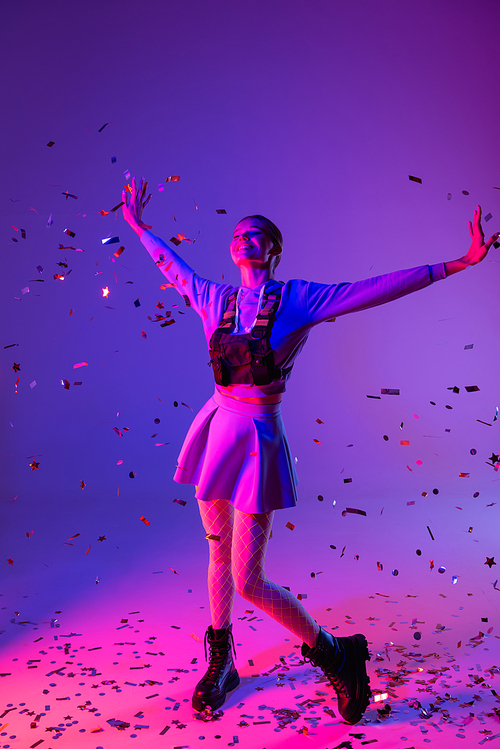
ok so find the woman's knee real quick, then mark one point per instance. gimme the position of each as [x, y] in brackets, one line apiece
[248, 585]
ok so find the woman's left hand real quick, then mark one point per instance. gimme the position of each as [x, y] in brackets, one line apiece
[479, 248]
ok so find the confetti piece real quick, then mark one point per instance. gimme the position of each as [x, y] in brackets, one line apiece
[404, 442]
[220, 210]
[317, 442]
[290, 526]
[347, 481]
[488, 217]
[81, 364]
[212, 537]
[389, 391]
[132, 474]
[380, 568]
[415, 179]
[110, 240]
[448, 197]
[172, 179]
[25, 290]
[146, 522]
[105, 292]
[175, 241]
[430, 533]
[102, 128]
[180, 502]
[464, 475]
[468, 346]
[69, 232]
[87, 550]
[472, 388]
[117, 207]
[69, 195]
[352, 511]
[137, 303]
[490, 561]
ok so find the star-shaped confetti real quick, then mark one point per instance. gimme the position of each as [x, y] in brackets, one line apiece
[10, 561]
[16, 367]
[494, 458]
[34, 465]
[105, 292]
[490, 561]
[101, 538]
[82, 484]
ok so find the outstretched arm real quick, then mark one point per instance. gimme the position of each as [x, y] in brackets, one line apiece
[478, 249]
[328, 301]
[205, 297]
[169, 262]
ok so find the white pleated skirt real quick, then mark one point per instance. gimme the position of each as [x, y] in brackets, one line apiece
[239, 451]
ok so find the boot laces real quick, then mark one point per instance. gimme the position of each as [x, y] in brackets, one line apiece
[318, 656]
[219, 650]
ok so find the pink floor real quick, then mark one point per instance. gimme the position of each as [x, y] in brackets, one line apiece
[129, 658]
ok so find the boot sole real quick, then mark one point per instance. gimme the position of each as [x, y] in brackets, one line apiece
[361, 655]
[199, 704]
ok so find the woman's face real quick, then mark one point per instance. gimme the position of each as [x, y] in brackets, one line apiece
[250, 245]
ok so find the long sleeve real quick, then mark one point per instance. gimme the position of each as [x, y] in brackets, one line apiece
[327, 301]
[207, 298]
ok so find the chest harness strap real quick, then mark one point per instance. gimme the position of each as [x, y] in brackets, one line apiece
[262, 368]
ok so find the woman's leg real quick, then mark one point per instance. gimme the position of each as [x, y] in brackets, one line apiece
[250, 537]
[217, 518]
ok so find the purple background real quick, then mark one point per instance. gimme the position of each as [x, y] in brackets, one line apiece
[313, 114]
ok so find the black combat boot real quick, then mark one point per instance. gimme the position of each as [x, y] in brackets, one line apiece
[342, 660]
[221, 675]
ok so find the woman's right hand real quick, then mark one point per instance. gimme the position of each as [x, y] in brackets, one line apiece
[132, 211]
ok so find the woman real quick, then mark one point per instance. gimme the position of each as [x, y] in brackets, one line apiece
[236, 452]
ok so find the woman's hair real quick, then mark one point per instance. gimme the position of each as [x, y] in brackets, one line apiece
[272, 232]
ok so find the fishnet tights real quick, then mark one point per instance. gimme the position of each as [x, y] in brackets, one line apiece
[237, 562]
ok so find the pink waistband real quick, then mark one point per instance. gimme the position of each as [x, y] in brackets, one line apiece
[254, 410]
